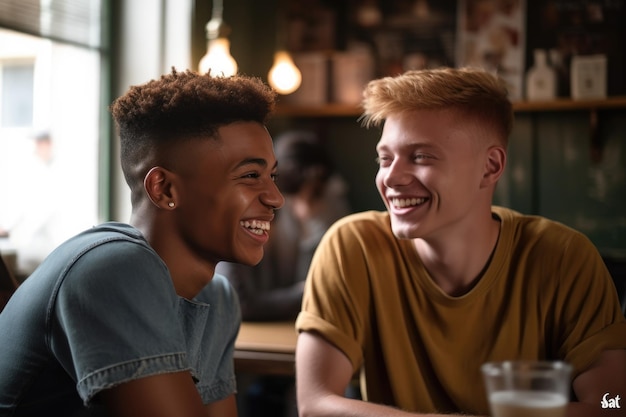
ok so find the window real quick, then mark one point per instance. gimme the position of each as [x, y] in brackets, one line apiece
[49, 139]
[16, 80]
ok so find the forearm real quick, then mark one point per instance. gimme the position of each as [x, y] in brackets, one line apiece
[601, 385]
[323, 373]
[337, 406]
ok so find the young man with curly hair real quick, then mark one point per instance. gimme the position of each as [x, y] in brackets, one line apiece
[131, 318]
[419, 296]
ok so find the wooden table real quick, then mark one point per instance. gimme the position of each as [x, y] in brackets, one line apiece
[266, 348]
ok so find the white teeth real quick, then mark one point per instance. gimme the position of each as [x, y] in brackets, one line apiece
[258, 227]
[406, 202]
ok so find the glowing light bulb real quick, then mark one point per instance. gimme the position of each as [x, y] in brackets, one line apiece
[284, 76]
[218, 59]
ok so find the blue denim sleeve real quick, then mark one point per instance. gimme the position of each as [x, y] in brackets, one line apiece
[114, 318]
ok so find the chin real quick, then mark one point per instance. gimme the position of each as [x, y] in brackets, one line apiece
[404, 231]
[256, 262]
[250, 259]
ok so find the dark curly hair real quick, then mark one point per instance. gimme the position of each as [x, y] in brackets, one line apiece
[184, 105]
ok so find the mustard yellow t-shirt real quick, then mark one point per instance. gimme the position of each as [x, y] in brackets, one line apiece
[546, 294]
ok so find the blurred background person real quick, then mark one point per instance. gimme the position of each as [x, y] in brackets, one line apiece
[315, 197]
[30, 227]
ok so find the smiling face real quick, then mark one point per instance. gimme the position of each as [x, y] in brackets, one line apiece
[226, 193]
[434, 174]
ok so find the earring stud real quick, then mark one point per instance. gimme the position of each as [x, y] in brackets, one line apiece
[170, 204]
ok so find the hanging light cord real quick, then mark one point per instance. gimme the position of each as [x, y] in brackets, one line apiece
[216, 28]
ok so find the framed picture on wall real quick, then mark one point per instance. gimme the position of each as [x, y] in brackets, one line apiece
[491, 35]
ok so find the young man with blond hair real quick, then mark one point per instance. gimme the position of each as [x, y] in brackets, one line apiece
[418, 297]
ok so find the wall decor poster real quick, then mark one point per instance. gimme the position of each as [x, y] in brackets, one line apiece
[491, 35]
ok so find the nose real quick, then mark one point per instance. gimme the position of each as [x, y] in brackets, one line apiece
[395, 175]
[272, 197]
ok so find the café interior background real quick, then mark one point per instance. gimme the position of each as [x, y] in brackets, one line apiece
[566, 161]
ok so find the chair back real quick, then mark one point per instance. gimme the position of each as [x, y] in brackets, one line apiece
[8, 284]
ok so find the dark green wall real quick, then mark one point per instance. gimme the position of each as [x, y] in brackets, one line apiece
[554, 170]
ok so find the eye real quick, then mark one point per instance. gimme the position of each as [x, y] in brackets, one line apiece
[383, 160]
[251, 175]
[420, 157]
[274, 176]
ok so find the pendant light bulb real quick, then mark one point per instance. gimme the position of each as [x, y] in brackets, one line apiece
[284, 76]
[218, 59]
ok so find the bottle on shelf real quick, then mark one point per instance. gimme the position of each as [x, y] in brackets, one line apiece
[560, 64]
[541, 80]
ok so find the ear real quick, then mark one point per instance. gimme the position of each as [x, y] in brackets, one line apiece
[494, 166]
[159, 188]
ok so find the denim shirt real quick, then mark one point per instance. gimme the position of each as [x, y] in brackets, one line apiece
[102, 310]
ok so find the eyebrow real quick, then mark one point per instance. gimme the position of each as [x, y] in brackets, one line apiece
[409, 146]
[255, 161]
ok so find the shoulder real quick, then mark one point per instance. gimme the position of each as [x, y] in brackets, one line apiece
[115, 247]
[363, 229]
[367, 225]
[113, 230]
[106, 259]
[363, 223]
[107, 238]
[107, 250]
[537, 228]
[358, 240]
[546, 239]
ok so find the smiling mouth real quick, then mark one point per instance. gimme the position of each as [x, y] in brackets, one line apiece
[407, 202]
[258, 227]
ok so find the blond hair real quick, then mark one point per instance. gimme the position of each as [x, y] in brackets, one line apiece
[473, 92]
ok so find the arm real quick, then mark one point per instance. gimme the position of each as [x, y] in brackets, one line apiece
[322, 375]
[224, 408]
[607, 375]
[164, 395]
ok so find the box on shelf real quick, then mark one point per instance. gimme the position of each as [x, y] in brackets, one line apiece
[351, 72]
[314, 87]
[588, 76]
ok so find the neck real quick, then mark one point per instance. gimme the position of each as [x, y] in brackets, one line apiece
[188, 272]
[457, 264]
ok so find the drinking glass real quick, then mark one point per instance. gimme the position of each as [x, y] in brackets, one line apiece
[527, 388]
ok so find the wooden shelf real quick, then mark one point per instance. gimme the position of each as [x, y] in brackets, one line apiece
[617, 102]
[322, 110]
[349, 110]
